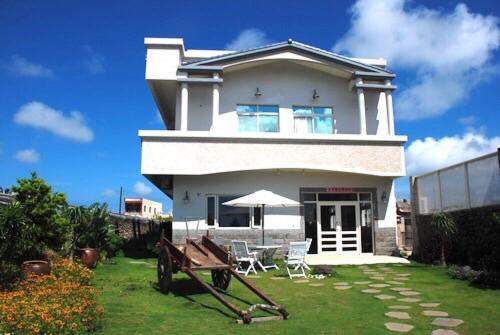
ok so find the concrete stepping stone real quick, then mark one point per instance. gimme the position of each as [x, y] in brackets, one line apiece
[277, 278]
[444, 332]
[402, 278]
[398, 327]
[409, 300]
[434, 313]
[397, 264]
[371, 290]
[409, 293]
[206, 273]
[398, 315]
[430, 304]
[385, 297]
[393, 282]
[399, 307]
[365, 282]
[342, 287]
[316, 284]
[341, 283]
[301, 281]
[379, 285]
[447, 322]
[377, 278]
[400, 289]
[404, 274]
[385, 269]
[253, 276]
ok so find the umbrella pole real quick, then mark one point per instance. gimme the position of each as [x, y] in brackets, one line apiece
[263, 224]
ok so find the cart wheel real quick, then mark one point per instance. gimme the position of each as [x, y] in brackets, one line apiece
[221, 278]
[164, 270]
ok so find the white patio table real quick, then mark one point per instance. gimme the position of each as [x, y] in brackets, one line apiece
[266, 255]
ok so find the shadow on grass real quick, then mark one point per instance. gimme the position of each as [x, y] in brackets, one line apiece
[188, 288]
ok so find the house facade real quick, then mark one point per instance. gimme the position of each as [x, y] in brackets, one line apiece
[142, 207]
[308, 124]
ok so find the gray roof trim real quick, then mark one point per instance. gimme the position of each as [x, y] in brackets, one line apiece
[376, 87]
[200, 80]
[200, 69]
[326, 55]
[364, 74]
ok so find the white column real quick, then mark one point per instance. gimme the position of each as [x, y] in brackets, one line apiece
[184, 106]
[390, 111]
[362, 108]
[215, 102]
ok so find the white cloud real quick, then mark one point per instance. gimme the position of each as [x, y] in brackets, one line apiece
[20, 66]
[27, 156]
[39, 115]
[467, 120]
[95, 61]
[108, 193]
[449, 52]
[248, 39]
[142, 189]
[430, 153]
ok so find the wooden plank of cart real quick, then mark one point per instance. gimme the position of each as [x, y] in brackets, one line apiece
[207, 255]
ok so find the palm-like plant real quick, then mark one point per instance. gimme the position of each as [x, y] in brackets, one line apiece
[445, 228]
[79, 218]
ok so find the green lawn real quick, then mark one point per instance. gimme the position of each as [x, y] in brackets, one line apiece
[134, 306]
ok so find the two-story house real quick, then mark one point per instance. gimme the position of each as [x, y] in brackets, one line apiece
[305, 123]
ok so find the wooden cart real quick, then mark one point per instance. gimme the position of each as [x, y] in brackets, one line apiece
[207, 255]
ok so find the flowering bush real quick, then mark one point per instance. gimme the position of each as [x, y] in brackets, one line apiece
[62, 303]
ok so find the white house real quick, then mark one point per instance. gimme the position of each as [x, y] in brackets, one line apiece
[143, 207]
[302, 122]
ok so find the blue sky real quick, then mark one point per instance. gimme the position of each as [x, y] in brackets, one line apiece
[78, 67]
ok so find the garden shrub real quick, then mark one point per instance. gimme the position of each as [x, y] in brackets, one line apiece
[61, 303]
[463, 272]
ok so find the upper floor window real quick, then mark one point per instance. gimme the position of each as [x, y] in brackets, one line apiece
[258, 118]
[309, 119]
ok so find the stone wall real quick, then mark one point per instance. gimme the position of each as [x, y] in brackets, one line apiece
[385, 240]
[132, 227]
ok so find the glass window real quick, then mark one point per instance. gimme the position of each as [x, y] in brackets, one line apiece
[256, 216]
[365, 196]
[337, 196]
[258, 118]
[309, 196]
[230, 216]
[317, 120]
[211, 211]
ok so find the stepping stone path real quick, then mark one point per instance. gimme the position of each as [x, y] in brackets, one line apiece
[385, 297]
[400, 289]
[446, 322]
[316, 284]
[430, 304]
[398, 315]
[301, 281]
[409, 300]
[379, 285]
[404, 274]
[398, 327]
[377, 278]
[342, 287]
[278, 278]
[371, 290]
[444, 332]
[393, 282]
[434, 313]
[409, 293]
[402, 278]
[206, 273]
[342, 283]
[399, 307]
[362, 282]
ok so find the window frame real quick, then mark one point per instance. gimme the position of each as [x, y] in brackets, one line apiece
[313, 117]
[257, 114]
[216, 215]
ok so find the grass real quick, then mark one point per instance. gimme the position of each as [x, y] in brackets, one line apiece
[134, 306]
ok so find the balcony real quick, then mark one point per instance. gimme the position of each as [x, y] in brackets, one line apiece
[203, 152]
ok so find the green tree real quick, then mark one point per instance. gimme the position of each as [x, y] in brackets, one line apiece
[79, 220]
[444, 227]
[44, 210]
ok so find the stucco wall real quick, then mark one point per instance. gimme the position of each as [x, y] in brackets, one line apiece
[286, 183]
[284, 83]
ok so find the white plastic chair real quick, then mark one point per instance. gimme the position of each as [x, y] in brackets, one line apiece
[243, 256]
[309, 242]
[295, 259]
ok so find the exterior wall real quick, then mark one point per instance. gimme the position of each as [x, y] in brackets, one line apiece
[286, 84]
[281, 224]
[182, 154]
[153, 209]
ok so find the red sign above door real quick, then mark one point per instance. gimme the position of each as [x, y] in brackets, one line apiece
[339, 189]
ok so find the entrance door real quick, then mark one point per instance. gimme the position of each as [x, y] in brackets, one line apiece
[338, 227]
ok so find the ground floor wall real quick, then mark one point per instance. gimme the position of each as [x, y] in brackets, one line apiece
[282, 225]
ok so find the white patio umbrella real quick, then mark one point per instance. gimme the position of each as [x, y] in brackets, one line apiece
[263, 199]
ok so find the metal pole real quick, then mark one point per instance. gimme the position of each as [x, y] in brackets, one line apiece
[263, 223]
[120, 204]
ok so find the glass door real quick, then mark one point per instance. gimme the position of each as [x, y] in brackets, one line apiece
[350, 237]
[338, 227]
[327, 230]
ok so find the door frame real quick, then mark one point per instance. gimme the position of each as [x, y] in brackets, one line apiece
[338, 238]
